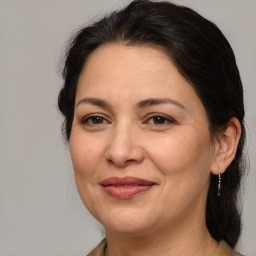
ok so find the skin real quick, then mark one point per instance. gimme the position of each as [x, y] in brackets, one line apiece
[115, 135]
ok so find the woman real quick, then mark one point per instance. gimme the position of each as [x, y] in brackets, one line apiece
[153, 107]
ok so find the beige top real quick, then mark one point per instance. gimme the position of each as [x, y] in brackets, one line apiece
[222, 250]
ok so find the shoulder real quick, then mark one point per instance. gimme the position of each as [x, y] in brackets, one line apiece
[224, 250]
[99, 250]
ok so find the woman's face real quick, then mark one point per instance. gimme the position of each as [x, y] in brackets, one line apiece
[140, 143]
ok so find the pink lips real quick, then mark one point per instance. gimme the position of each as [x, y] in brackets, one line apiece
[127, 187]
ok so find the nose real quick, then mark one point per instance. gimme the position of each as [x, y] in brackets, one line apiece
[124, 147]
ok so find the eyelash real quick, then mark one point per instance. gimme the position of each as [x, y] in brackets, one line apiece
[164, 120]
[86, 120]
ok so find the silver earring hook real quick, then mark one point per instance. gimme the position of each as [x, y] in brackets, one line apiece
[219, 183]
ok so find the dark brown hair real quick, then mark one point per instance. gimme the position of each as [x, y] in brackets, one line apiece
[203, 56]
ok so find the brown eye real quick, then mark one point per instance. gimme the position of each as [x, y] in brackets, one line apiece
[160, 120]
[97, 119]
[94, 120]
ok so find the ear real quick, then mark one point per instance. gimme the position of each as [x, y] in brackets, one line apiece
[226, 146]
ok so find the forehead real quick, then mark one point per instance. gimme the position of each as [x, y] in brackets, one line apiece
[121, 67]
[126, 60]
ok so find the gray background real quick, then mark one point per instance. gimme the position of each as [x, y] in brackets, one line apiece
[40, 211]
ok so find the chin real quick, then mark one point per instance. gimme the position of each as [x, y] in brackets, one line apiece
[126, 221]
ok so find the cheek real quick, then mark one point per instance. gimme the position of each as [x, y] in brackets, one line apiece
[184, 164]
[188, 153]
[85, 154]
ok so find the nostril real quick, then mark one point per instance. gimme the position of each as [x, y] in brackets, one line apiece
[118, 163]
[124, 154]
[130, 160]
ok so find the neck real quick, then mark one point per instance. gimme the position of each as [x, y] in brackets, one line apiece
[182, 238]
[204, 245]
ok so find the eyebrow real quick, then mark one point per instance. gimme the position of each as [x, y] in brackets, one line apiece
[157, 101]
[142, 104]
[94, 101]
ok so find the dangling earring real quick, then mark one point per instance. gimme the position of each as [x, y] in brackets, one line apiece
[219, 184]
